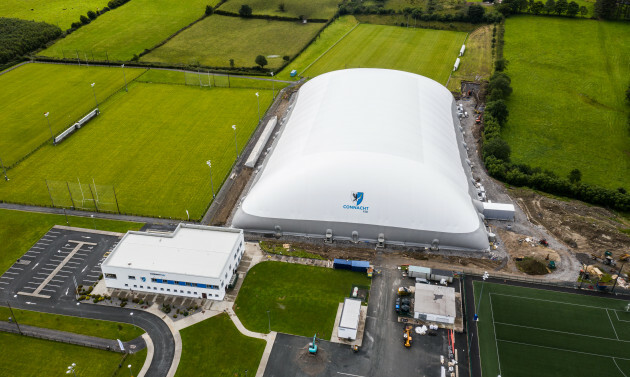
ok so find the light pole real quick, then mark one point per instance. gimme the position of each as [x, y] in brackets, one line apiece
[618, 274]
[52, 139]
[71, 369]
[273, 86]
[94, 93]
[484, 277]
[132, 321]
[125, 77]
[188, 214]
[235, 144]
[269, 318]
[14, 319]
[211, 184]
[93, 222]
[258, 99]
[129, 366]
[4, 170]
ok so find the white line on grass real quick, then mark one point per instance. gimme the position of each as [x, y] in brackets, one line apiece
[611, 323]
[494, 329]
[615, 361]
[552, 301]
[329, 48]
[617, 315]
[561, 332]
[560, 349]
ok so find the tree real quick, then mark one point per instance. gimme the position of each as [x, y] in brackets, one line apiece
[583, 11]
[282, 8]
[261, 61]
[501, 64]
[286, 58]
[500, 83]
[537, 7]
[475, 13]
[91, 14]
[573, 9]
[550, 6]
[561, 7]
[209, 10]
[498, 148]
[231, 63]
[84, 20]
[498, 110]
[605, 9]
[245, 11]
[575, 176]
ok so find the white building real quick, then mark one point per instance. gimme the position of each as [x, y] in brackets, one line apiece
[350, 317]
[193, 261]
[369, 155]
[434, 303]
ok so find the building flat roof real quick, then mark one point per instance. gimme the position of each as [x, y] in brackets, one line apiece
[190, 250]
[435, 299]
[350, 313]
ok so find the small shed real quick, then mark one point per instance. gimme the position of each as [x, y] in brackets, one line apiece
[456, 65]
[350, 316]
[461, 51]
[438, 275]
[434, 303]
[342, 264]
[360, 265]
[419, 272]
[498, 211]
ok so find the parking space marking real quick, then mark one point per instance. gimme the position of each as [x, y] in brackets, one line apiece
[57, 281]
[6, 277]
[12, 273]
[17, 268]
[52, 285]
[47, 290]
[35, 277]
[46, 269]
[37, 247]
[348, 374]
[5, 282]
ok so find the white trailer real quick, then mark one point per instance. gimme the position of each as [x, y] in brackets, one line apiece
[419, 272]
[456, 65]
[461, 51]
[498, 211]
[350, 316]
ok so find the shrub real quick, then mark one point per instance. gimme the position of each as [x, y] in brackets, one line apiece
[209, 10]
[498, 110]
[92, 15]
[498, 148]
[286, 58]
[261, 61]
[122, 304]
[84, 20]
[174, 315]
[245, 11]
[281, 7]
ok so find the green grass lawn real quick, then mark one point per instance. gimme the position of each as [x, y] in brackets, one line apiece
[20, 230]
[215, 80]
[218, 348]
[91, 327]
[217, 39]
[301, 300]
[568, 109]
[333, 33]
[322, 9]
[129, 29]
[477, 59]
[57, 12]
[136, 360]
[24, 356]
[63, 91]
[430, 53]
[152, 145]
[534, 332]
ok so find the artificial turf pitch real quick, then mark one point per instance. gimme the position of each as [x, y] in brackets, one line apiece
[536, 332]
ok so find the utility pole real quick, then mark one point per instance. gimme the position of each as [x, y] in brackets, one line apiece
[15, 319]
[619, 274]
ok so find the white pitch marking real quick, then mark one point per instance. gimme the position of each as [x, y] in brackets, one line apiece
[612, 324]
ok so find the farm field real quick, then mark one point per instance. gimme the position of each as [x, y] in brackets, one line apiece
[477, 60]
[56, 12]
[20, 230]
[285, 290]
[217, 39]
[561, 118]
[526, 332]
[24, 356]
[63, 91]
[216, 345]
[150, 145]
[211, 79]
[129, 29]
[430, 53]
[322, 9]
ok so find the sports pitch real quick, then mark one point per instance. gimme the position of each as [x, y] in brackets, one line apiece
[62, 90]
[150, 144]
[430, 53]
[535, 332]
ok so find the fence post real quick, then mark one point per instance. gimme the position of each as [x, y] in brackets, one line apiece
[115, 198]
[49, 194]
[72, 200]
[94, 201]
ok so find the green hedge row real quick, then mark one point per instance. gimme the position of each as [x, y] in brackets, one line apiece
[19, 37]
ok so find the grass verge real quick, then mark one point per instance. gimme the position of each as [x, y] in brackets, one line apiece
[278, 248]
[476, 64]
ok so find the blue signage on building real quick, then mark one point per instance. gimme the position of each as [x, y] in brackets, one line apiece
[357, 199]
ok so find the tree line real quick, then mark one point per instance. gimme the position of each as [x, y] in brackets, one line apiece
[92, 15]
[549, 7]
[19, 37]
[496, 155]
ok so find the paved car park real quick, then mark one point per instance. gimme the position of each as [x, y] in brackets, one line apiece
[61, 258]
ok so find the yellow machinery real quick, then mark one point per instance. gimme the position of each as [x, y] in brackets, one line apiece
[407, 336]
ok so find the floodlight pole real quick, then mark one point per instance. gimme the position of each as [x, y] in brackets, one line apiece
[273, 86]
[235, 144]
[15, 319]
[614, 285]
[484, 277]
[4, 170]
[209, 163]
[269, 318]
[71, 369]
[258, 100]
[129, 366]
[94, 93]
[52, 138]
[125, 77]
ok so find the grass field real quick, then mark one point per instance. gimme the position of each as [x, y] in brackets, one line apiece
[430, 53]
[91, 327]
[477, 59]
[217, 39]
[301, 300]
[20, 230]
[57, 12]
[568, 110]
[534, 332]
[63, 91]
[218, 348]
[214, 80]
[152, 144]
[323, 9]
[129, 29]
[24, 356]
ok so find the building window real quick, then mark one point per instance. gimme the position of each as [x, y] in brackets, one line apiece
[221, 284]
[188, 292]
[142, 286]
[155, 288]
[135, 286]
[132, 277]
[181, 282]
[195, 292]
[201, 285]
[216, 295]
[161, 289]
[110, 276]
[126, 285]
[168, 290]
[170, 282]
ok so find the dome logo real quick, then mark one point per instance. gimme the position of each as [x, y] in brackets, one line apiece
[357, 197]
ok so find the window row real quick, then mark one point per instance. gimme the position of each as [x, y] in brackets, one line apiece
[183, 283]
[167, 290]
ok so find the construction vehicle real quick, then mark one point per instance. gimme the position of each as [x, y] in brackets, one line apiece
[624, 257]
[478, 120]
[407, 336]
[552, 265]
[312, 347]
[404, 291]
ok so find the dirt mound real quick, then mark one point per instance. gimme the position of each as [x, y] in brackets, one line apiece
[532, 266]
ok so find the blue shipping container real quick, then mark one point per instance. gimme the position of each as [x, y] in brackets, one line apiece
[342, 264]
[360, 265]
